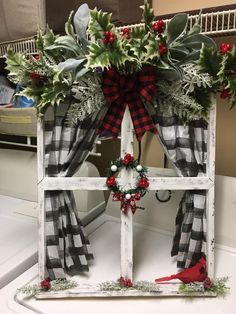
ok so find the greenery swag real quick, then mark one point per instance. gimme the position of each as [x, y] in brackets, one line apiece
[68, 68]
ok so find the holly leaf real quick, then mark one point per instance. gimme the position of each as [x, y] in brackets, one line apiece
[231, 60]
[138, 32]
[31, 92]
[99, 23]
[176, 26]
[148, 14]
[15, 64]
[152, 50]
[232, 86]
[209, 61]
[55, 94]
[45, 40]
[69, 29]
[99, 56]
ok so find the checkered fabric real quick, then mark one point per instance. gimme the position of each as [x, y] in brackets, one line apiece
[67, 247]
[186, 147]
[121, 90]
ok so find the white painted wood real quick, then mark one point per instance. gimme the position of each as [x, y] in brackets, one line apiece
[210, 197]
[126, 266]
[156, 183]
[41, 200]
[86, 291]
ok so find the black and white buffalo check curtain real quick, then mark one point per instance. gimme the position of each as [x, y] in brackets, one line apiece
[186, 147]
[67, 247]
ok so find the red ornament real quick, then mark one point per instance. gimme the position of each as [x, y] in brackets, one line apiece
[45, 284]
[111, 181]
[143, 183]
[159, 26]
[162, 48]
[225, 93]
[224, 48]
[128, 159]
[207, 283]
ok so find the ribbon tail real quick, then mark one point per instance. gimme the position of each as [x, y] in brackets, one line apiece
[142, 122]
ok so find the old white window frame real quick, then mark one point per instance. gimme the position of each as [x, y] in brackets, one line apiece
[206, 182]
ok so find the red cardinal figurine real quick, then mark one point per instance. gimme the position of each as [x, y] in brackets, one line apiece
[195, 273]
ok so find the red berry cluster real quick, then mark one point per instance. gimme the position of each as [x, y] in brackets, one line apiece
[111, 181]
[143, 183]
[45, 284]
[37, 56]
[128, 159]
[163, 49]
[225, 93]
[125, 282]
[35, 76]
[224, 48]
[125, 32]
[207, 283]
[109, 37]
[159, 26]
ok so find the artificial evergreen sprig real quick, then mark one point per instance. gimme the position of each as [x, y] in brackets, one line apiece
[217, 286]
[144, 286]
[54, 285]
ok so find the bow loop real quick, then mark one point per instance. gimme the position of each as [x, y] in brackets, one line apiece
[121, 90]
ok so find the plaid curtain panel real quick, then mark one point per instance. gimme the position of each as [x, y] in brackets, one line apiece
[186, 147]
[66, 148]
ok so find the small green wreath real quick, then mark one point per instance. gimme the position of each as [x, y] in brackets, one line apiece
[128, 197]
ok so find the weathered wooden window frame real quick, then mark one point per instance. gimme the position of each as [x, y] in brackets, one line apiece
[206, 182]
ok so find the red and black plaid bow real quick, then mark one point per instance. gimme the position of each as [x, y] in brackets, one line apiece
[121, 90]
[126, 204]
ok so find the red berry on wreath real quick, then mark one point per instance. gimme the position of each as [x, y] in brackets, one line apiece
[111, 181]
[143, 183]
[45, 284]
[128, 159]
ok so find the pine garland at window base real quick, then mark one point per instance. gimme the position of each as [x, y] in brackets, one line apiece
[185, 59]
[212, 287]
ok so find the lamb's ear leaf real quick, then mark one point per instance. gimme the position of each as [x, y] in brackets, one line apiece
[176, 26]
[81, 19]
